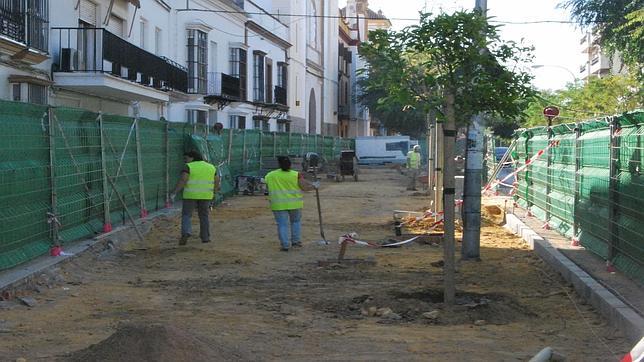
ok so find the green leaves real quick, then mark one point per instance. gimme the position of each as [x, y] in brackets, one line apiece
[412, 68]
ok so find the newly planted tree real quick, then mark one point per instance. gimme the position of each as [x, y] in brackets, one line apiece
[453, 64]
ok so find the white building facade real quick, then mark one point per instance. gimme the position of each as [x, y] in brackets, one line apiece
[241, 63]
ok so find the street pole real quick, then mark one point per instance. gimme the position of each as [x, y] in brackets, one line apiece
[473, 179]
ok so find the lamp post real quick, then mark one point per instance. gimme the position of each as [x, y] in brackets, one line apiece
[537, 66]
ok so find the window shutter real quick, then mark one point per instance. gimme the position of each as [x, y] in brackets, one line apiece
[87, 12]
[115, 26]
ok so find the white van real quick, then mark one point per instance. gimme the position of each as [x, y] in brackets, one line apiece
[383, 149]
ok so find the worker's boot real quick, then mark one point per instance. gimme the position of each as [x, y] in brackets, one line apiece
[184, 239]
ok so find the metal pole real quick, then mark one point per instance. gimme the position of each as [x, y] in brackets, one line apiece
[288, 151]
[430, 154]
[167, 164]
[613, 195]
[575, 224]
[52, 177]
[274, 145]
[473, 179]
[230, 144]
[139, 166]
[261, 145]
[549, 174]
[107, 217]
[244, 152]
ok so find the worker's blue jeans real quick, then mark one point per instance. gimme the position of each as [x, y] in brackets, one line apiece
[283, 218]
[202, 207]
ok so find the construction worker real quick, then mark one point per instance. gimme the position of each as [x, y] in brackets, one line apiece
[413, 165]
[285, 188]
[199, 183]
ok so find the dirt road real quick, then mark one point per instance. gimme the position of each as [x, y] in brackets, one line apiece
[241, 292]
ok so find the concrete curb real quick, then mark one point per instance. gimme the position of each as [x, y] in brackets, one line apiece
[22, 275]
[612, 308]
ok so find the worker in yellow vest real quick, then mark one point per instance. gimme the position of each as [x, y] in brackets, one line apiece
[413, 166]
[200, 183]
[285, 188]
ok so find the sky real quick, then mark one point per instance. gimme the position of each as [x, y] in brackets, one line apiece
[557, 46]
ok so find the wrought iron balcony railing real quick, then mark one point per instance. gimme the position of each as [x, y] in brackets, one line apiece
[98, 50]
[281, 96]
[223, 85]
[26, 22]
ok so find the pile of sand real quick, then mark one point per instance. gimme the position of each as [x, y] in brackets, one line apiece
[154, 342]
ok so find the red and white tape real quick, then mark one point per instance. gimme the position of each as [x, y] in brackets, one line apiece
[520, 169]
[636, 354]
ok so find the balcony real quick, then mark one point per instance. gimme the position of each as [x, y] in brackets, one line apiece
[344, 111]
[222, 89]
[95, 61]
[24, 30]
[281, 96]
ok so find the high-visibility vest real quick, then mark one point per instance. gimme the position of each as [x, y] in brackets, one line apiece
[413, 159]
[284, 190]
[201, 182]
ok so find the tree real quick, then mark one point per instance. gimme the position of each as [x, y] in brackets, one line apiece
[455, 65]
[620, 24]
[599, 97]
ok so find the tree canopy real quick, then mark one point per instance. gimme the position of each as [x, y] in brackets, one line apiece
[620, 24]
[599, 97]
[408, 71]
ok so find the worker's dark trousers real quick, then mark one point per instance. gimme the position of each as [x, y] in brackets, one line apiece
[186, 216]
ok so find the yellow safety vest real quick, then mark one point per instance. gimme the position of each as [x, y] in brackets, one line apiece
[413, 159]
[201, 181]
[284, 190]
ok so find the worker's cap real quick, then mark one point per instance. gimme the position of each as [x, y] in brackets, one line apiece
[416, 147]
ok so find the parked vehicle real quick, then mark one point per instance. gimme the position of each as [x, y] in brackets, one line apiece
[383, 149]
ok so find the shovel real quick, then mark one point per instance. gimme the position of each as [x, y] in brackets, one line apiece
[317, 197]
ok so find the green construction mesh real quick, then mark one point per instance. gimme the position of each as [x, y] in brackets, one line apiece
[570, 185]
[108, 169]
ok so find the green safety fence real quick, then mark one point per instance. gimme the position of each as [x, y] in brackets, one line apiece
[67, 174]
[588, 185]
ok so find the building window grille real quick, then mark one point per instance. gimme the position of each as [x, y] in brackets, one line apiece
[258, 77]
[195, 116]
[238, 68]
[238, 122]
[197, 61]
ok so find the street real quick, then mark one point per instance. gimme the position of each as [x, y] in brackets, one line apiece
[249, 301]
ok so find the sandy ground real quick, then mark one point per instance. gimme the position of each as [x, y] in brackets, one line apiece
[241, 291]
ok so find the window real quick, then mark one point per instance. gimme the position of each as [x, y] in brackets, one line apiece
[37, 93]
[283, 126]
[238, 122]
[157, 41]
[195, 116]
[142, 33]
[261, 124]
[213, 56]
[258, 76]
[16, 90]
[282, 75]
[238, 69]
[313, 25]
[115, 25]
[197, 61]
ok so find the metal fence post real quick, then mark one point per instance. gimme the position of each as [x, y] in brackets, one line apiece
[613, 194]
[53, 217]
[230, 144]
[549, 177]
[107, 217]
[244, 151]
[274, 145]
[577, 153]
[167, 164]
[139, 165]
[288, 150]
[261, 144]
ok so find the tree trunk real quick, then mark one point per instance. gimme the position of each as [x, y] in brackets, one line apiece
[449, 132]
